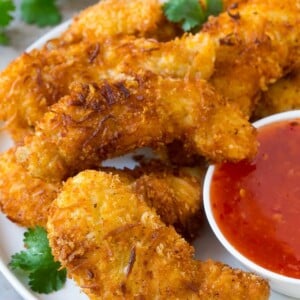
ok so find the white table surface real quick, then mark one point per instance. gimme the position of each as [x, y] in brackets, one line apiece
[22, 36]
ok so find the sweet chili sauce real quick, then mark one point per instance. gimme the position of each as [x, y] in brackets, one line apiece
[257, 204]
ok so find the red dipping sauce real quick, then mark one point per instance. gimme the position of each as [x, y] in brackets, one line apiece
[257, 204]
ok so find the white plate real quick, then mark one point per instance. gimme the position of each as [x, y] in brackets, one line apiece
[11, 235]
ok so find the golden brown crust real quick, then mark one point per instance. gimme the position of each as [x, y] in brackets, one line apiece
[258, 42]
[253, 46]
[24, 199]
[36, 80]
[174, 193]
[282, 96]
[235, 284]
[117, 17]
[116, 247]
[97, 122]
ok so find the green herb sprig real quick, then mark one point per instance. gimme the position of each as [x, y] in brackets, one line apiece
[6, 9]
[39, 12]
[190, 13]
[45, 275]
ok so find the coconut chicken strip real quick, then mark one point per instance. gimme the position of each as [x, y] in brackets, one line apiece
[40, 78]
[175, 193]
[96, 122]
[139, 17]
[253, 31]
[118, 17]
[257, 43]
[24, 199]
[90, 49]
[283, 95]
[116, 247]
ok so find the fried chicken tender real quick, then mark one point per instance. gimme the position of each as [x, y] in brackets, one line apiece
[175, 193]
[249, 32]
[40, 78]
[117, 17]
[283, 95]
[89, 50]
[257, 43]
[101, 121]
[116, 247]
[25, 200]
[37, 79]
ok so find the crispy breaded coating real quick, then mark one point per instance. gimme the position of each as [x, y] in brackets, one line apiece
[243, 285]
[174, 193]
[116, 247]
[253, 44]
[117, 17]
[39, 78]
[36, 80]
[24, 199]
[97, 122]
[257, 43]
[283, 95]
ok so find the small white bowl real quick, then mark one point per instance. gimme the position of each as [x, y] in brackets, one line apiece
[279, 283]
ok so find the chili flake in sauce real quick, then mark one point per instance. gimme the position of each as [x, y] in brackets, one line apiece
[257, 204]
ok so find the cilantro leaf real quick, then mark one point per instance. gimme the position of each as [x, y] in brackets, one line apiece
[6, 7]
[190, 13]
[213, 7]
[4, 40]
[40, 12]
[47, 280]
[45, 275]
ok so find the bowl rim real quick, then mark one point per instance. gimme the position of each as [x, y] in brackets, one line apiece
[275, 118]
